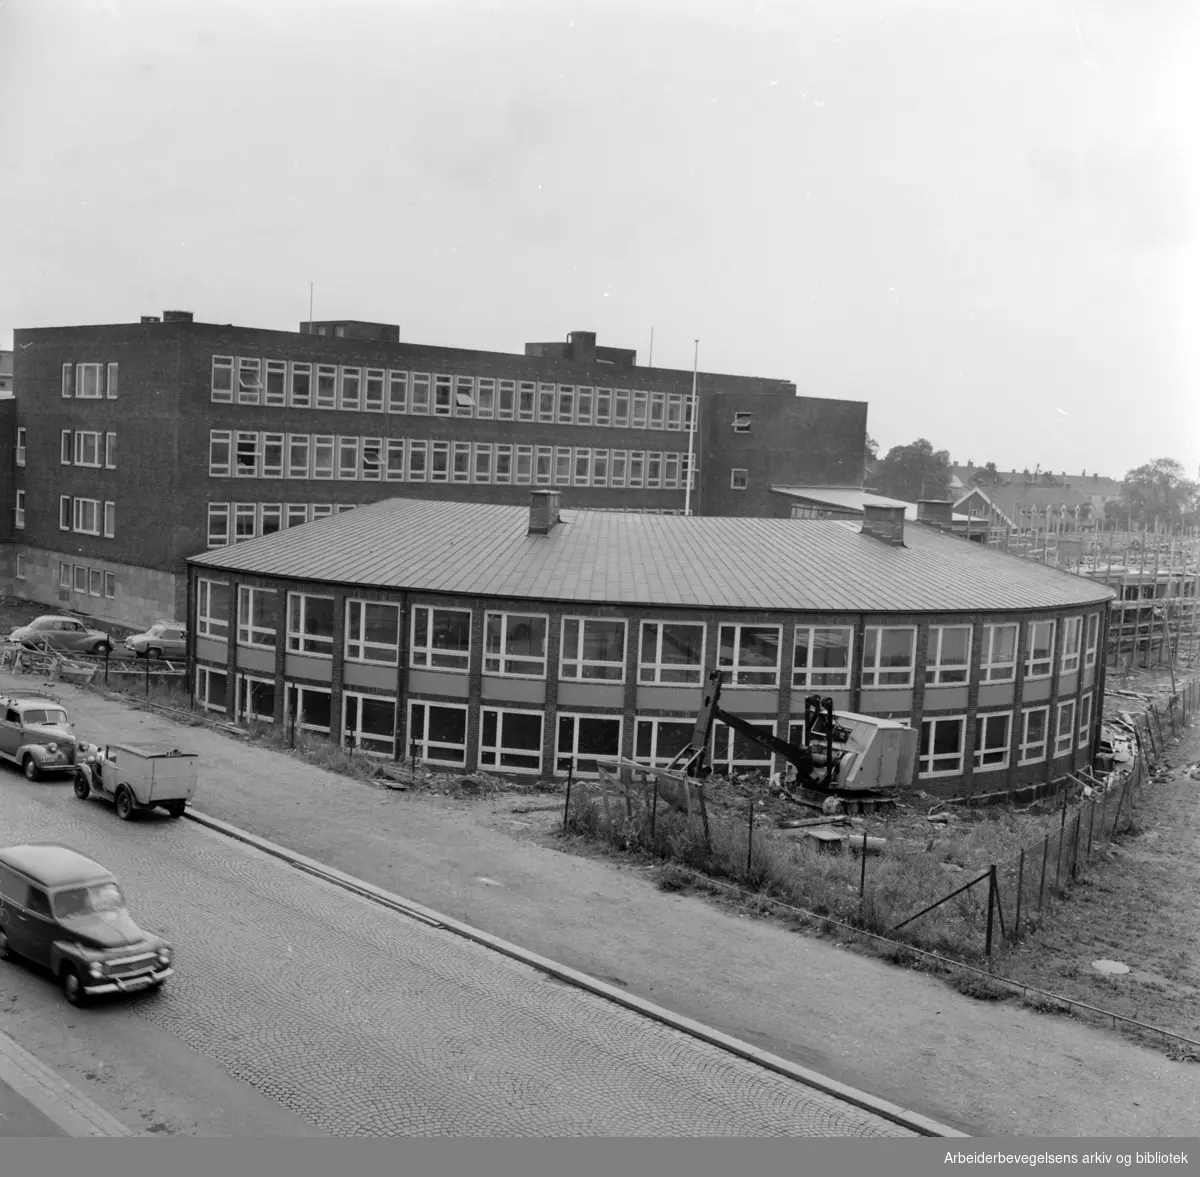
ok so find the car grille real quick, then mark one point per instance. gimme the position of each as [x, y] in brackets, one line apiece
[127, 966]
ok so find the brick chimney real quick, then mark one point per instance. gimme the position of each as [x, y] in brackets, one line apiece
[884, 523]
[939, 511]
[543, 511]
[177, 316]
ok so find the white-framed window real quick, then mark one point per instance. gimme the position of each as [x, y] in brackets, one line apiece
[110, 451]
[584, 398]
[599, 467]
[87, 516]
[256, 617]
[1064, 732]
[653, 470]
[350, 392]
[639, 410]
[110, 387]
[821, 656]
[658, 410]
[95, 582]
[524, 470]
[418, 461]
[1039, 658]
[659, 739]
[371, 459]
[1085, 720]
[418, 401]
[87, 381]
[1093, 639]
[593, 649]
[510, 740]
[545, 402]
[68, 381]
[397, 392]
[373, 391]
[64, 512]
[245, 521]
[741, 422]
[675, 411]
[526, 400]
[441, 638]
[464, 396]
[670, 471]
[1034, 721]
[506, 400]
[249, 390]
[270, 518]
[210, 688]
[603, 406]
[618, 468]
[19, 510]
[462, 461]
[272, 455]
[637, 467]
[310, 625]
[110, 520]
[1072, 642]
[993, 735]
[19, 570]
[482, 471]
[300, 390]
[439, 461]
[888, 656]
[212, 609]
[732, 751]
[311, 706]
[87, 448]
[515, 644]
[671, 653]
[275, 390]
[584, 739]
[321, 510]
[21, 435]
[246, 455]
[296, 514]
[562, 465]
[443, 392]
[582, 472]
[369, 722]
[437, 732]
[940, 752]
[110, 585]
[566, 404]
[80, 579]
[998, 661]
[348, 448]
[255, 698]
[739, 479]
[327, 378]
[298, 451]
[218, 525]
[749, 654]
[948, 654]
[64, 574]
[394, 457]
[373, 632]
[545, 463]
[323, 455]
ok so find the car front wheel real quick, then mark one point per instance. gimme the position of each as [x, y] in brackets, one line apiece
[30, 767]
[73, 989]
[5, 950]
[154, 652]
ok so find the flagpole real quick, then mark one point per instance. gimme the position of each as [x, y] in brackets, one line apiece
[687, 501]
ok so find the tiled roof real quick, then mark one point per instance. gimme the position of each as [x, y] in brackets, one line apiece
[483, 549]
[1010, 499]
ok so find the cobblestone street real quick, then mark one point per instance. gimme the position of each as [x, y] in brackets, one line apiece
[365, 1022]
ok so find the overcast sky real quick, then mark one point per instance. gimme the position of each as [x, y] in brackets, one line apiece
[979, 215]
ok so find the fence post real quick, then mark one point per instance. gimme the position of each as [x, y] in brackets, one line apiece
[106, 651]
[1075, 846]
[991, 903]
[704, 818]
[750, 837]
[1045, 857]
[147, 674]
[1091, 827]
[862, 876]
[999, 902]
[570, 778]
[1162, 740]
[1062, 832]
[1120, 799]
[1020, 884]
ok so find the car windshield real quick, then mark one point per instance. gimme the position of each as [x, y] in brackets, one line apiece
[47, 715]
[156, 631]
[81, 900]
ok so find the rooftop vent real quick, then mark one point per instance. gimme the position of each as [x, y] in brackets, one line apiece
[177, 316]
[935, 511]
[884, 523]
[151, 319]
[543, 511]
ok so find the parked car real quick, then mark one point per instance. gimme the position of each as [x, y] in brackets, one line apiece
[36, 735]
[164, 639]
[66, 913]
[64, 634]
[139, 776]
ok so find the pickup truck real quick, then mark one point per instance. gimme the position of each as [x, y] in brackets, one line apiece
[36, 735]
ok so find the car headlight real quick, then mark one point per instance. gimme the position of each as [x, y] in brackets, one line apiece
[95, 968]
[51, 747]
[164, 956]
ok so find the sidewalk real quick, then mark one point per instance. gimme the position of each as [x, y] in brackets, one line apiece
[986, 1068]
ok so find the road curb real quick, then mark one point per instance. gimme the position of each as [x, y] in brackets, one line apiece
[914, 1121]
[53, 1096]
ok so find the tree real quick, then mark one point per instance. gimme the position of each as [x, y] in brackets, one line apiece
[916, 471]
[1154, 492]
[870, 456]
[987, 476]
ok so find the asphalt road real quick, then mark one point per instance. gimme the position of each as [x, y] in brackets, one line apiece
[300, 1008]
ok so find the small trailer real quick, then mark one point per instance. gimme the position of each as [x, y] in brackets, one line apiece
[139, 776]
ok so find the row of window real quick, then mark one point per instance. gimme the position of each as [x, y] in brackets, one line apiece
[246, 454]
[511, 739]
[670, 652]
[89, 381]
[248, 381]
[230, 523]
[82, 447]
[85, 515]
[92, 582]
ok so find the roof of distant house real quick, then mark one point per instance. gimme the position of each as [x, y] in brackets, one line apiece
[1089, 484]
[795, 565]
[1011, 499]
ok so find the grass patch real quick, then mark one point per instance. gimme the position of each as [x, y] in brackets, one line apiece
[980, 988]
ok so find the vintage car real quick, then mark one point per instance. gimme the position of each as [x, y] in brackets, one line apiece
[62, 634]
[164, 639]
[36, 735]
[66, 913]
[138, 776]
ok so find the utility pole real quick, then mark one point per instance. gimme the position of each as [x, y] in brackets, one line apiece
[687, 501]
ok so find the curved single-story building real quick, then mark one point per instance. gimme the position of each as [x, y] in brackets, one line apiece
[478, 635]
